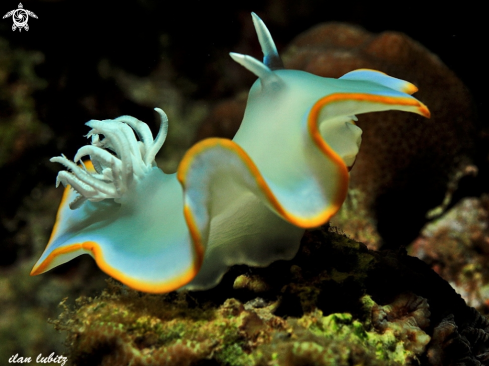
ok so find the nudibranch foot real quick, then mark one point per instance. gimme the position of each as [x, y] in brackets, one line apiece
[241, 201]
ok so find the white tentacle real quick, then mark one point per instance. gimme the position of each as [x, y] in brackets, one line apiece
[103, 158]
[119, 159]
[160, 138]
[141, 129]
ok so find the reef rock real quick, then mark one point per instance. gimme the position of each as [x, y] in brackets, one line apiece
[335, 303]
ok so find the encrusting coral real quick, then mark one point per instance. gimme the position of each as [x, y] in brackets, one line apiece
[406, 317]
[456, 247]
[335, 303]
[453, 346]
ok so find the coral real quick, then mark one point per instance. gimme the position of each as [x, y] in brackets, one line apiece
[454, 346]
[445, 337]
[405, 317]
[456, 246]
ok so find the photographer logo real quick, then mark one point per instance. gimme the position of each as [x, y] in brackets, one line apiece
[20, 17]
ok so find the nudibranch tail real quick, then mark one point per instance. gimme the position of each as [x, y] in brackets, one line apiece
[241, 201]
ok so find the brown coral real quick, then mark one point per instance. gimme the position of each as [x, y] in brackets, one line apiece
[406, 317]
[406, 306]
[454, 345]
[446, 337]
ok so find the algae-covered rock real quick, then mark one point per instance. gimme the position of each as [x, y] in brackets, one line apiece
[335, 303]
[121, 327]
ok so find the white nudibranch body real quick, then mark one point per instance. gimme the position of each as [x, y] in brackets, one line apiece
[241, 201]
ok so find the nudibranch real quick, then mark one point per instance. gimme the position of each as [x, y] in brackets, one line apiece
[241, 201]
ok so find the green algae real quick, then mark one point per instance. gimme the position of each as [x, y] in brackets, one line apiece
[343, 327]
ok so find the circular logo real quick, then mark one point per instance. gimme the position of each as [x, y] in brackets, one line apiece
[20, 17]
